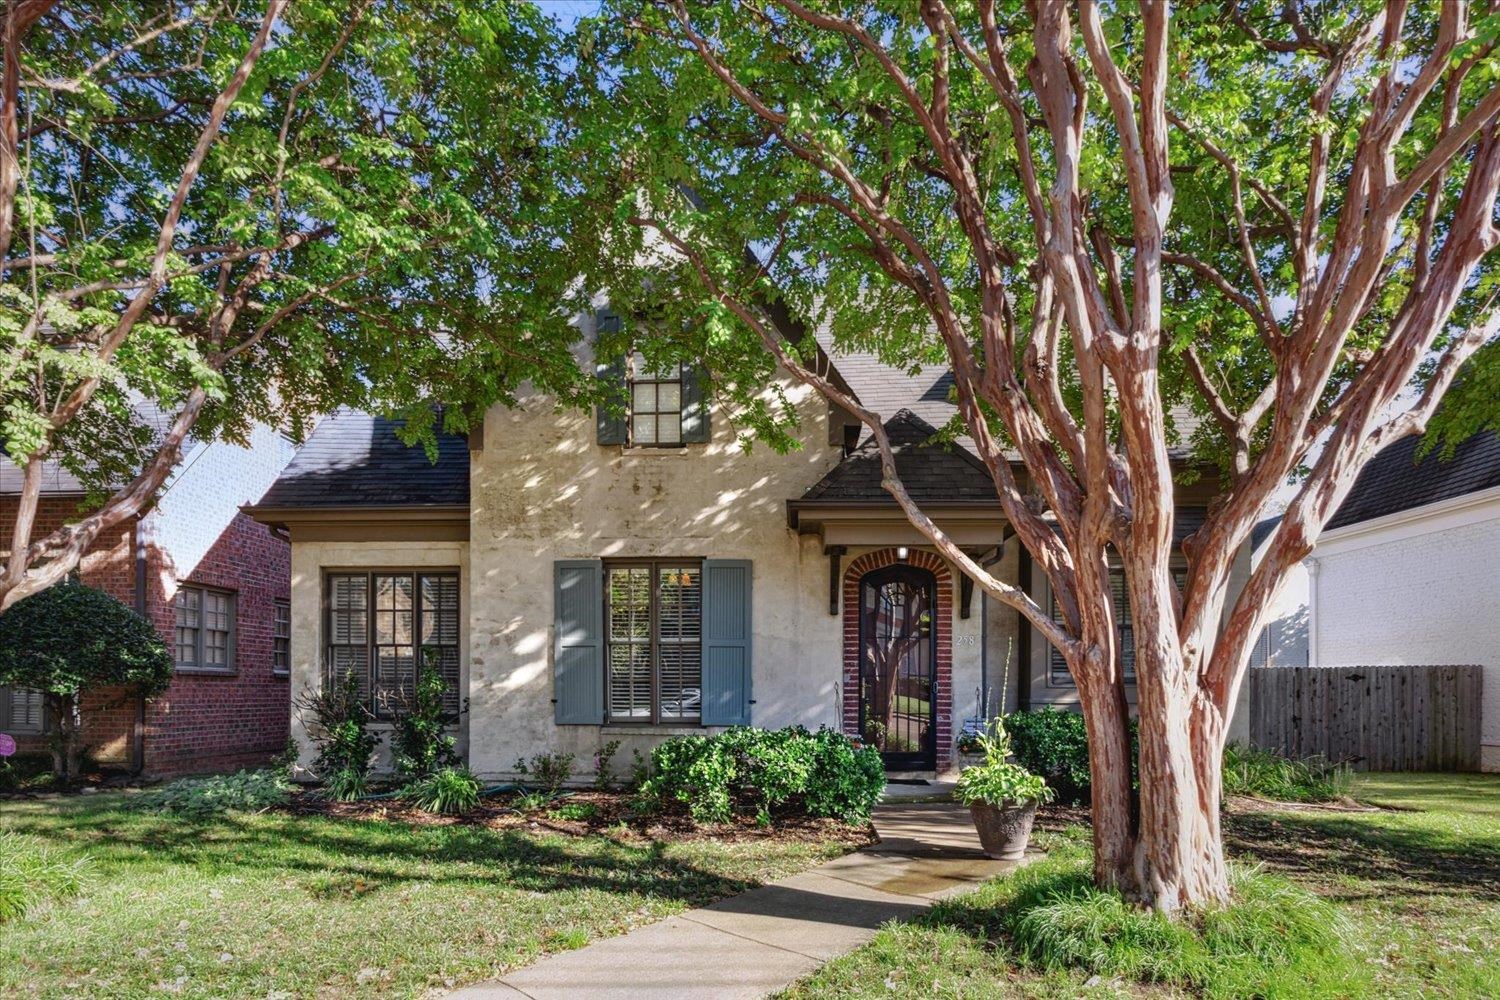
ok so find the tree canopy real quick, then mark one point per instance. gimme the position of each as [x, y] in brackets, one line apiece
[215, 214]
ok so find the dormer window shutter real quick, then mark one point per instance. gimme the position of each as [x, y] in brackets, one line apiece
[695, 429]
[610, 419]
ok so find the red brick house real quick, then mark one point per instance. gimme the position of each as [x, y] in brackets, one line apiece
[216, 584]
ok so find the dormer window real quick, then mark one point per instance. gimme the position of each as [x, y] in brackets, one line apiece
[646, 405]
[655, 404]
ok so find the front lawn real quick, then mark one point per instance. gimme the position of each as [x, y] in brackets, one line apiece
[303, 905]
[1419, 880]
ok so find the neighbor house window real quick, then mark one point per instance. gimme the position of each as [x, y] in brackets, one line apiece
[20, 711]
[381, 626]
[1058, 673]
[204, 629]
[655, 404]
[654, 611]
[281, 638]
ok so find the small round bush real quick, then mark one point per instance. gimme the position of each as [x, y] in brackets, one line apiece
[70, 637]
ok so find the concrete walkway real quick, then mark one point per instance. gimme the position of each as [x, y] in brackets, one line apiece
[761, 941]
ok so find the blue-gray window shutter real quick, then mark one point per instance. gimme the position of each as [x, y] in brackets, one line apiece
[695, 407]
[726, 642]
[578, 643]
[610, 418]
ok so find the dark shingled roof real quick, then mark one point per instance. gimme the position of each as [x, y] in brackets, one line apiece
[355, 459]
[1395, 480]
[933, 471]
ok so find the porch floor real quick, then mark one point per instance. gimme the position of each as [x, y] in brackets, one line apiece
[762, 941]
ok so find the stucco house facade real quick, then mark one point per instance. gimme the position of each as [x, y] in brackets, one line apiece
[1406, 572]
[214, 582]
[586, 578]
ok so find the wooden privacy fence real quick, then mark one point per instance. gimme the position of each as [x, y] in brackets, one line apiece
[1394, 718]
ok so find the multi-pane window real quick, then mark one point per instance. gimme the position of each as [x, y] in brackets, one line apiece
[383, 625]
[1058, 673]
[204, 632]
[281, 638]
[654, 612]
[655, 404]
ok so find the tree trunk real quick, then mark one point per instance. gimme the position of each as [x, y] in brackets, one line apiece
[66, 742]
[1106, 719]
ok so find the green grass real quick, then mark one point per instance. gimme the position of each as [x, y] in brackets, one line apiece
[1418, 884]
[250, 905]
[32, 875]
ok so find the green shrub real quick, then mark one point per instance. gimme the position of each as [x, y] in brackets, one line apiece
[243, 791]
[448, 790]
[996, 781]
[25, 770]
[30, 874]
[1268, 775]
[549, 771]
[420, 743]
[69, 639]
[847, 779]
[530, 802]
[338, 724]
[604, 765]
[1272, 939]
[574, 811]
[746, 771]
[1054, 744]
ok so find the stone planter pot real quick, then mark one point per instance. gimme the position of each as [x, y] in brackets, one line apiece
[1003, 830]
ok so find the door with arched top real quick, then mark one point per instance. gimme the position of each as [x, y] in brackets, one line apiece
[898, 666]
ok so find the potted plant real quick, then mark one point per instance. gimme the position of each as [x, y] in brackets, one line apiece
[1001, 796]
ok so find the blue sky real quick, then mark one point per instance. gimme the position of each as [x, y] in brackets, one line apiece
[568, 12]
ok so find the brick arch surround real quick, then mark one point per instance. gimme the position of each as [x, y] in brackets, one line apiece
[879, 559]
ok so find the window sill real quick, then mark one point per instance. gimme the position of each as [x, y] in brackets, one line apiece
[206, 672]
[648, 729]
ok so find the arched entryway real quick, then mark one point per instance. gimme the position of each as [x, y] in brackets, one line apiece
[897, 657]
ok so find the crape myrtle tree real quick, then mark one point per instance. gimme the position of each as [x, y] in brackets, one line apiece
[234, 211]
[1278, 217]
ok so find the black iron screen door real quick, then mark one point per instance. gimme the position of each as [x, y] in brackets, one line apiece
[898, 666]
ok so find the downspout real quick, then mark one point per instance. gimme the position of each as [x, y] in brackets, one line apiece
[138, 738]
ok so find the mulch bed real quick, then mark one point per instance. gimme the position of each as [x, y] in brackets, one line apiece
[612, 817]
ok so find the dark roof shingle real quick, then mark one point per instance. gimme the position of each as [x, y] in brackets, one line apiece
[933, 470]
[355, 459]
[1394, 480]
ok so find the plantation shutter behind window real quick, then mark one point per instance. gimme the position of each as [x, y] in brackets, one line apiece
[726, 642]
[695, 429]
[610, 419]
[440, 632]
[578, 641]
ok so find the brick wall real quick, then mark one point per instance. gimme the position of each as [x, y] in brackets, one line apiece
[880, 559]
[216, 722]
[203, 722]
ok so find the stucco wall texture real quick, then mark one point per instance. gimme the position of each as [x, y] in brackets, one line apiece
[542, 490]
[1423, 591]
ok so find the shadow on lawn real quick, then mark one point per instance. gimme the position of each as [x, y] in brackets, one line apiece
[329, 857]
[1407, 861]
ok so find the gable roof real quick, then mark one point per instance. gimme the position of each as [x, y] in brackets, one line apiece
[355, 459]
[1395, 480]
[933, 470]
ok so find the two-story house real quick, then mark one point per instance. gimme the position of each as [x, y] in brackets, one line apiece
[584, 578]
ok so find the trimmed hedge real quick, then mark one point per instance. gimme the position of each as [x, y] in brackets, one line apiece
[764, 773]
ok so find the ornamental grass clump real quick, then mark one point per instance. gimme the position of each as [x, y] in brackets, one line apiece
[449, 791]
[1269, 775]
[1270, 939]
[32, 874]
